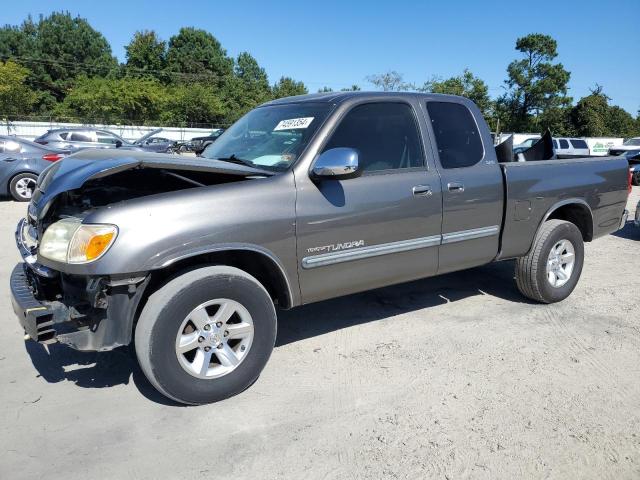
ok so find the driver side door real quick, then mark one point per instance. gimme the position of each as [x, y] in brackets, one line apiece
[380, 228]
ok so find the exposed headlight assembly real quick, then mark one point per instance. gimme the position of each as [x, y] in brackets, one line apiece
[71, 241]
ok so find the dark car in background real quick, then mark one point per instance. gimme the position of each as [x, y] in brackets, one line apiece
[198, 144]
[78, 138]
[21, 161]
[633, 157]
[159, 144]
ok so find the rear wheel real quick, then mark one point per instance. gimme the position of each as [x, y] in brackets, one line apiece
[635, 178]
[206, 335]
[551, 270]
[22, 186]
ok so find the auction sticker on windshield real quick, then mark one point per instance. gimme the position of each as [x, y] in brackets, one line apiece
[293, 123]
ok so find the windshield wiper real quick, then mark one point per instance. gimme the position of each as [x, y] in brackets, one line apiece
[233, 159]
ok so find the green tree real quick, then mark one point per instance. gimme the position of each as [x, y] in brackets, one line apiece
[352, 88]
[146, 54]
[325, 89]
[128, 100]
[594, 117]
[465, 85]
[536, 84]
[390, 81]
[621, 123]
[68, 47]
[287, 87]
[16, 98]
[197, 54]
[246, 89]
[194, 105]
[18, 41]
[57, 49]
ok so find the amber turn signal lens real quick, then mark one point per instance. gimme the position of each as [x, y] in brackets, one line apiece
[97, 245]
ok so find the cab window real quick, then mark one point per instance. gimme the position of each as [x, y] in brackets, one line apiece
[384, 134]
[456, 134]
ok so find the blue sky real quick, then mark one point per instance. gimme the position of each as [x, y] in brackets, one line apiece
[339, 43]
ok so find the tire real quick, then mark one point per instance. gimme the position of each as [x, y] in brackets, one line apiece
[19, 186]
[635, 178]
[532, 276]
[160, 328]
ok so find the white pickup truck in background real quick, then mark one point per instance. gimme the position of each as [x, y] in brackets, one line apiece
[630, 144]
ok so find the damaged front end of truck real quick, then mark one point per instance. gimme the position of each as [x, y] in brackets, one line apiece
[59, 291]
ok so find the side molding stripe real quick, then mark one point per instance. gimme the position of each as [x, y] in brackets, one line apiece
[397, 247]
[470, 234]
[366, 252]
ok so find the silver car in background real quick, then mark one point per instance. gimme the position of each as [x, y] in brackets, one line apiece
[81, 137]
[21, 161]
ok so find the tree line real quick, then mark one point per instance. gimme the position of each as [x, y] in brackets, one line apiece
[59, 67]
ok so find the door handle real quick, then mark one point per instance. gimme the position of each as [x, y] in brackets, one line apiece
[10, 159]
[455, 187]
[422, 191]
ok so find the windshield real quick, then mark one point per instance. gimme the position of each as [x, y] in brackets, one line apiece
[633, 142]
[270, 137]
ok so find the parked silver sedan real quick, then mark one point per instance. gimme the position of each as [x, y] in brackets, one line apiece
[78, 138]
[21, 161]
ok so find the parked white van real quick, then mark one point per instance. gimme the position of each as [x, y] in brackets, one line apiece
[571, 147]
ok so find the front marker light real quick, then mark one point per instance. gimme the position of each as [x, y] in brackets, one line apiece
[70, 241]
[90, 242]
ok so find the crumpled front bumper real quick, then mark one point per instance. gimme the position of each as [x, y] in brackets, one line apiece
[35, 317]
[84, 312]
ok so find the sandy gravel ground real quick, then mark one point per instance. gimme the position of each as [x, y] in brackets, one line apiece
[452, 377]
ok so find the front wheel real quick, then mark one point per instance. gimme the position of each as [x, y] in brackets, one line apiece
[206, 335]
[551, 270]
[635, 178]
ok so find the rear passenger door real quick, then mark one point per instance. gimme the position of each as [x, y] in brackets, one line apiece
[471, 182]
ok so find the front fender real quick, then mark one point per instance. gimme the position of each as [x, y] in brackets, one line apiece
[161, 229]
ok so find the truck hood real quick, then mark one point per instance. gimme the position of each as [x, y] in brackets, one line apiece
[74, 171]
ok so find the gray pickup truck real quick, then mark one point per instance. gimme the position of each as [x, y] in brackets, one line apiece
[303, 199]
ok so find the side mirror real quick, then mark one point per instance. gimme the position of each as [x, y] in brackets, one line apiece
[337, 163]
[118, 143]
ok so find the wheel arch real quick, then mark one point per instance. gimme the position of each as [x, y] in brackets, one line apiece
[259, 264]
[574, 210]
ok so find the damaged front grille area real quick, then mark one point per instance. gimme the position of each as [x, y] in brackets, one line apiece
[35, 317]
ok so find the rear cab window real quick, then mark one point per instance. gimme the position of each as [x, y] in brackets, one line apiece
[579, 143]
[456, 134]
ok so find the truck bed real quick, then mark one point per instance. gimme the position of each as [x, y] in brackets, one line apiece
[535, 190]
